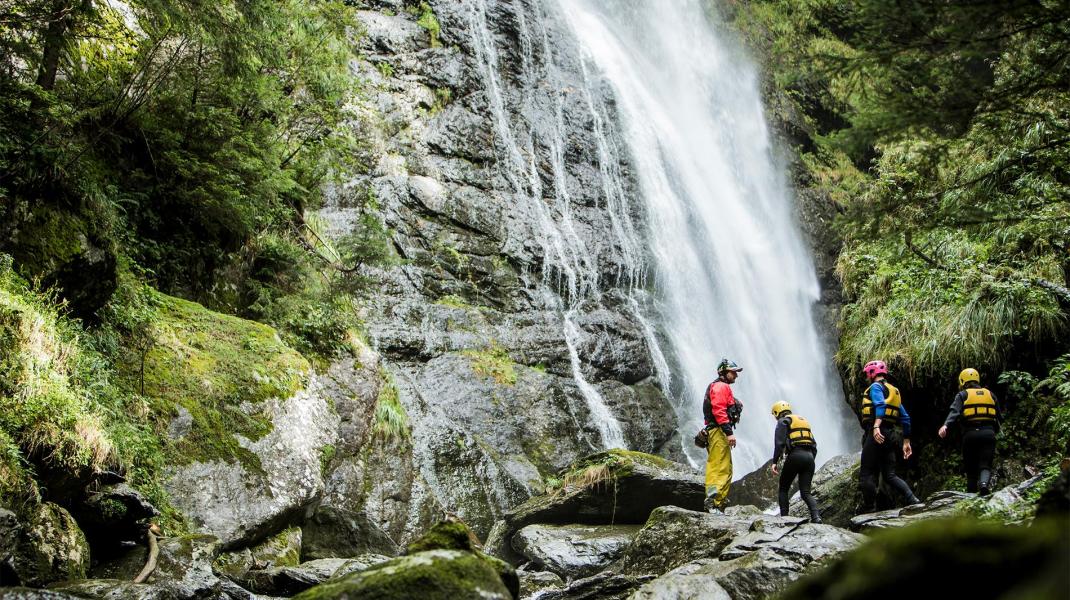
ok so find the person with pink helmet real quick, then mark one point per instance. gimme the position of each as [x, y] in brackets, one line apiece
[882, 414]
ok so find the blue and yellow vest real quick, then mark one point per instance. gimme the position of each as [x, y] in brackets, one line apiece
[892, 403]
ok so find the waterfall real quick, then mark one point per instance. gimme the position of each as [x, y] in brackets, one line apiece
[571, 263]
[731, 274]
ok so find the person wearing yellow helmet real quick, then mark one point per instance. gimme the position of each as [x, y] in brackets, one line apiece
[978, 411]
[794, 441]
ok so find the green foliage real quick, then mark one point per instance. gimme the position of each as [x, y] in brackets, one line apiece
[188, 128]
[391, 422]
[493, 362]
[48, 415]
[940, 130]
[426, 18]
[1037, 419]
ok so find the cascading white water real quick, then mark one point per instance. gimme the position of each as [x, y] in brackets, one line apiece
[733, 277]
[570, 262]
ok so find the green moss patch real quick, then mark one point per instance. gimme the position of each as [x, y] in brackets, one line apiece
[431, 575]
[220, 369]
[493, 363]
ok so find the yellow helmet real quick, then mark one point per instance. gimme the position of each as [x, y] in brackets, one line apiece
[779, 407]
[968, 375]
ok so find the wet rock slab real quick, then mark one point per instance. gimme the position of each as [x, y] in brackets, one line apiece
[573, 551]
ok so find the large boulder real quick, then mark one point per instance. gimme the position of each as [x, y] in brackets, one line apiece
[757, 564]
[339, 533]
[573, 551]
[48, 547]
[688, 581]
[430, 575]
[616, 486]
[246, 420]
[960, 557]
[674, 536]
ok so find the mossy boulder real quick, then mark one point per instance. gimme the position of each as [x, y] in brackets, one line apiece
[243, 417]
[430, 575]
[961, 558]
[50, 547]
[221, 370]
[455, 535]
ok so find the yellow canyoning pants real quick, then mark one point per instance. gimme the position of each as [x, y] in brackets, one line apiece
[718, 469]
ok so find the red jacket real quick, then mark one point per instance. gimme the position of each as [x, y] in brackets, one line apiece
[715, 406]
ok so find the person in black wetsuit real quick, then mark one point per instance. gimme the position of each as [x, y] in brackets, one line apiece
[796, 443]
[978, 410]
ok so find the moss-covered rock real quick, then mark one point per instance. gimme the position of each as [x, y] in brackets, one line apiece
[280, 550]
[960, 558]
[446, 535]
[455, 535]
[50, 548]
[219, 370]
[65, 251]
[243, 418]
[430, 575]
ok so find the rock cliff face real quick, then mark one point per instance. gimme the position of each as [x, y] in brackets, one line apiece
[510, 322]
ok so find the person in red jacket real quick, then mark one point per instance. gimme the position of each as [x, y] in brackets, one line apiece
[720, 410]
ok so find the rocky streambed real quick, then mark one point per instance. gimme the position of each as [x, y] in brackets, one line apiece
[617, 525]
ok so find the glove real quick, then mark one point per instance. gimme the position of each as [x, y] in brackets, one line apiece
[702, 438]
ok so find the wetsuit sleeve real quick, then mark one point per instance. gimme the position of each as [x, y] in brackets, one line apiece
[904, 420]
[780, 440]
[720, 399]
[707, 407]
[876, 396]
[955, 411]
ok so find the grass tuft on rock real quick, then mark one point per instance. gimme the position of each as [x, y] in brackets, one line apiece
[48, 413]
[494, 363]
[391, 422]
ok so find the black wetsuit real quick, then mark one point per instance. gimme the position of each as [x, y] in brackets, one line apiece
[978, 442]
[798, 462]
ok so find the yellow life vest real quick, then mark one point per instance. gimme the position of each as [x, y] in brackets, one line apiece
[892, 402]
[979, 406]
[799, 433]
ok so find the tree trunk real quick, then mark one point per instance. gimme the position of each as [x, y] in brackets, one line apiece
[55, 39]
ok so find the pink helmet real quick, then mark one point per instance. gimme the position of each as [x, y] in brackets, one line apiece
[874, 368]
